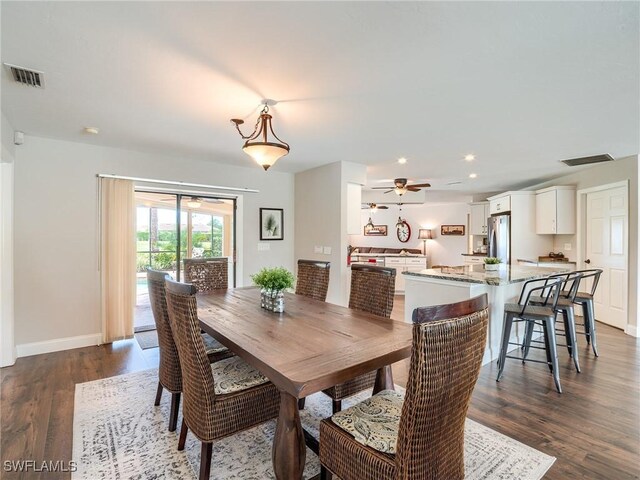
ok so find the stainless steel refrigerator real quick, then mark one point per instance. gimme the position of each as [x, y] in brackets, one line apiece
[500, 237]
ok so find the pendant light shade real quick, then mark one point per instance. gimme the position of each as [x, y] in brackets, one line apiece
[258, 145]
[369, 223]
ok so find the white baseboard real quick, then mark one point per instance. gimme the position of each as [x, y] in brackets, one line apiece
[631, 330]
[58, 344]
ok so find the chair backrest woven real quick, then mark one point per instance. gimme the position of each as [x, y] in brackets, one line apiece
[448, 346]
[206, 274]
[313, 279]
[169, 368]
[372, 289]
[197, 378]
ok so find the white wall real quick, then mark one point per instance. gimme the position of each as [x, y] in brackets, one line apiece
[7, 345]
[442, 250]
[322, 218]
[603, 174]
[56, 250]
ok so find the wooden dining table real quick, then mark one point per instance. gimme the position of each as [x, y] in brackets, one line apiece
[310, 347]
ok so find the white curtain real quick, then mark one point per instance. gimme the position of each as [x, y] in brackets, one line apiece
[118, 258]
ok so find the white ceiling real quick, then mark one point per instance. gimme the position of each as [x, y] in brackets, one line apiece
[520, 85]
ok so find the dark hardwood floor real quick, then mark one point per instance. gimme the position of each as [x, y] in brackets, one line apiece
[593, 428]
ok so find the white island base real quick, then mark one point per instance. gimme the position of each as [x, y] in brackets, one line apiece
[433, 287]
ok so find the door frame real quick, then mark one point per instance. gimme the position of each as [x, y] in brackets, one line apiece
[582, 237]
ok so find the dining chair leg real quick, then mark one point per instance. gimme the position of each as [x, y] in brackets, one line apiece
[173, 416]
[547, 345]
[506, 333]
[158, 394]
[325, 474]
[301, 402]
[337, 405]
[591, 318]
[183, 435]
[570, 325]
[205, 460]
[585, 320]
[553, 351]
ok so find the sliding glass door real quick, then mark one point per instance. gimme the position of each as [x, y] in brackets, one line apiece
[172, 227]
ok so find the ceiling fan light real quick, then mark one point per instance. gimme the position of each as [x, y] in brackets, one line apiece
[193, 204]
[400, 191]
[265, 154]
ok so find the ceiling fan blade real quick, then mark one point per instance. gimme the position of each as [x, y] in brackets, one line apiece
[382, 207]
[389, 191]
[422, 185]
[413, 189]
[380, 188]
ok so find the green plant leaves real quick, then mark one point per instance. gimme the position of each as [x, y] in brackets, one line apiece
[277, 278]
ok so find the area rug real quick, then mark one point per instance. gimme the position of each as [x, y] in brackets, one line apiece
[147, 339]
[119, 434]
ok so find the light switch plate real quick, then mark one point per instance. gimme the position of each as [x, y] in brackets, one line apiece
[326, 250]
[263, 247]
[567, 247]
[317, 249]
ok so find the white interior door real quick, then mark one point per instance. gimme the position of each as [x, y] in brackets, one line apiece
[607, 248]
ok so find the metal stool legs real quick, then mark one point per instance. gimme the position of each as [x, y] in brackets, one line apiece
[590, 324]
[570, 334]
[551, 348]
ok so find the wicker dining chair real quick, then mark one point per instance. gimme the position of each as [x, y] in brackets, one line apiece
[220, 399]
[420, 435]
[372, 290]
[170, 377]
[313, 279]
[207, 274]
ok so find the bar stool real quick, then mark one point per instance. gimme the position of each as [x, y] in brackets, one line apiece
[569, 289]
[585, 300]
[545, 315]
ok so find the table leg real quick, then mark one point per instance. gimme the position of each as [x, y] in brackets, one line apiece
[384, 379]
[289, 448]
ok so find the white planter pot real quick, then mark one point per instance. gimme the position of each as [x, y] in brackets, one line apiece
[492, 267]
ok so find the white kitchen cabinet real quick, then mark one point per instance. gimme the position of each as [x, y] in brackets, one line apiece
[405, 264]
[556, 210]
[499, 204]
[469, 260]
[478, 218]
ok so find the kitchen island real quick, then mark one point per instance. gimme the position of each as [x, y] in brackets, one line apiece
[435, 287]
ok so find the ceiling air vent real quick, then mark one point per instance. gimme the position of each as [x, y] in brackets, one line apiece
[574, 162]
[22, 75]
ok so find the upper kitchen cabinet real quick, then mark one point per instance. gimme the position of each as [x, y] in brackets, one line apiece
[500, 204]
[478, 218]
[556, 210]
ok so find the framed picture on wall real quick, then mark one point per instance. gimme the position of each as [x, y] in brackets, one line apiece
[452, 230]
[271, 224]
[375, 231]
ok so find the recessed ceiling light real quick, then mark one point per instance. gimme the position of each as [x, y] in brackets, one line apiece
[402, 160]
[473, 175]
[92, 130]
[470, 157]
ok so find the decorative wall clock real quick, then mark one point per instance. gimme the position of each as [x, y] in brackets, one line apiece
[403, 230]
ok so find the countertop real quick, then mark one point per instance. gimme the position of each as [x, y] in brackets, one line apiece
[417, 255]
[504, 276]
[474, 254]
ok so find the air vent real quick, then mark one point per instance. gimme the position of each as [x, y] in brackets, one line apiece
[454, 183]
[22, 75]
[574, 162]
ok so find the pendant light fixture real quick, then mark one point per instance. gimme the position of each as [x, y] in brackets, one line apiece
[258, 145]
[400, 221]
[369, 224]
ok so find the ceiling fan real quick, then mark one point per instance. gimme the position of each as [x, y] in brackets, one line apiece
[373, 207]
[401, 187]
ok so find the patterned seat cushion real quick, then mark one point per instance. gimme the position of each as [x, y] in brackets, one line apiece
[234, 374]
[374, 422]
[211, 345]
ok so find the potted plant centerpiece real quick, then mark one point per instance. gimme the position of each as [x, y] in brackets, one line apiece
[491, 264]
[273, 281]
